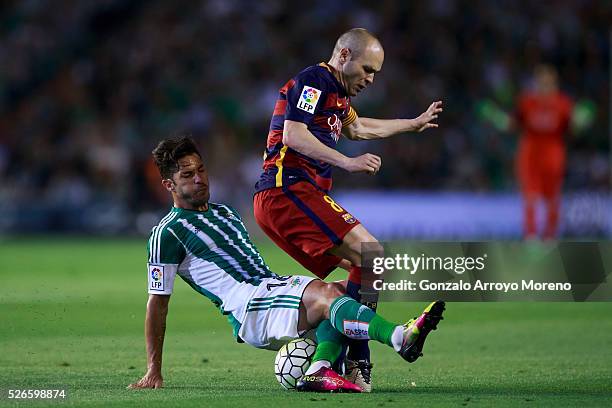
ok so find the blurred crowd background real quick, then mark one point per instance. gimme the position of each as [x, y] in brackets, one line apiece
[87, 88]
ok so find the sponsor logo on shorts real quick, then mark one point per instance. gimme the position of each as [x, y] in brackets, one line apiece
[356, 329]
[348, 218]
[156, 277]
[308, 99]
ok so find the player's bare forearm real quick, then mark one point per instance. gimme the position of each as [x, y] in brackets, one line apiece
[297, 136]
[369, 128]
[155, 329]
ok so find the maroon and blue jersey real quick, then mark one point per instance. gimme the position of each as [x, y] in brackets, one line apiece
[315, 98]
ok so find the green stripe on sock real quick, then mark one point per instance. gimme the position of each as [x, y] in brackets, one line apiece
[333, 310]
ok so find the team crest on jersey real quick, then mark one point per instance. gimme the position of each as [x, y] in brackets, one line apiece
[156, 277]
[308, 99]
[295, 282]
[348, 218]
[228, 214]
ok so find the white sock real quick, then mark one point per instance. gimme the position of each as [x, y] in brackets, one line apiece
[314, 367]
[397, 337]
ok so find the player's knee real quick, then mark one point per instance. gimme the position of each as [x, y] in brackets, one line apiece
[360, 250]
[363, 236]
[329, 293]
[336, 289]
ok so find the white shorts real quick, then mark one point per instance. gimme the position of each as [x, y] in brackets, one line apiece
[272, 313]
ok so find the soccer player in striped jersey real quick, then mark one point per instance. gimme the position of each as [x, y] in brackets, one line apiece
[208, 246]
[292, 204]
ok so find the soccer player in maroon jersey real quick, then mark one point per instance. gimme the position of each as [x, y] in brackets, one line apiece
[292, 204]
[544, 115]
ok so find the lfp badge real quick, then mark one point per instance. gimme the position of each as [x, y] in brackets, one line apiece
[156, 277]
[309, 99]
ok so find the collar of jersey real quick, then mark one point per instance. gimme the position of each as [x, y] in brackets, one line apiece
[179, 209]
[331, 70]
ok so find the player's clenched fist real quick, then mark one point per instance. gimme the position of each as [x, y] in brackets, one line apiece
[368, 163]
[148, 381]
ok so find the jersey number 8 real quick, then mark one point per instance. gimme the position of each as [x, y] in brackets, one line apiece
[333, 204]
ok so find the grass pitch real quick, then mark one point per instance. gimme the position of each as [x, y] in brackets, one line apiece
[71, 314]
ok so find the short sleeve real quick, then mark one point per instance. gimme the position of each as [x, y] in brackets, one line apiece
[350, 117]
[305, 97]
[165, 255]
[160, 278]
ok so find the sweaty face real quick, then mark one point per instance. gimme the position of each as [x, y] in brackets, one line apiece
[191, 183]
[358, 72]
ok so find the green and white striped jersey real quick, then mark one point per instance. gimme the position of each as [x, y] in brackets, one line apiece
[211, 251]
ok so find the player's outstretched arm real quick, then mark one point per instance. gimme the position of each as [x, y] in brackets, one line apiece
[368, 128]
[297, 136]
[155, 329]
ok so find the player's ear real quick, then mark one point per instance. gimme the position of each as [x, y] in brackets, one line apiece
[168, 185]
[345, 55]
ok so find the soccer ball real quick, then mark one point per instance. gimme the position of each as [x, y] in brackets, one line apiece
[292, 361]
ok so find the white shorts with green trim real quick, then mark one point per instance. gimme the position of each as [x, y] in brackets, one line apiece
[272, 313]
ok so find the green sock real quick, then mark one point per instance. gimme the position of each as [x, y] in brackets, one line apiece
[329, 343]
[359, 322]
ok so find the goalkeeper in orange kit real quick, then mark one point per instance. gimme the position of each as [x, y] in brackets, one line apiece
[543, 116]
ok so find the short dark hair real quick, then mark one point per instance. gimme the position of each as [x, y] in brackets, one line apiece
[168, 152]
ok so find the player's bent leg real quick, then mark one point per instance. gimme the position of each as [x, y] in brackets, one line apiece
[316, 300]
[359, 322]
[359, 287]
[320, 377]
[314, 308]
[351, 244]
[360, 281]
